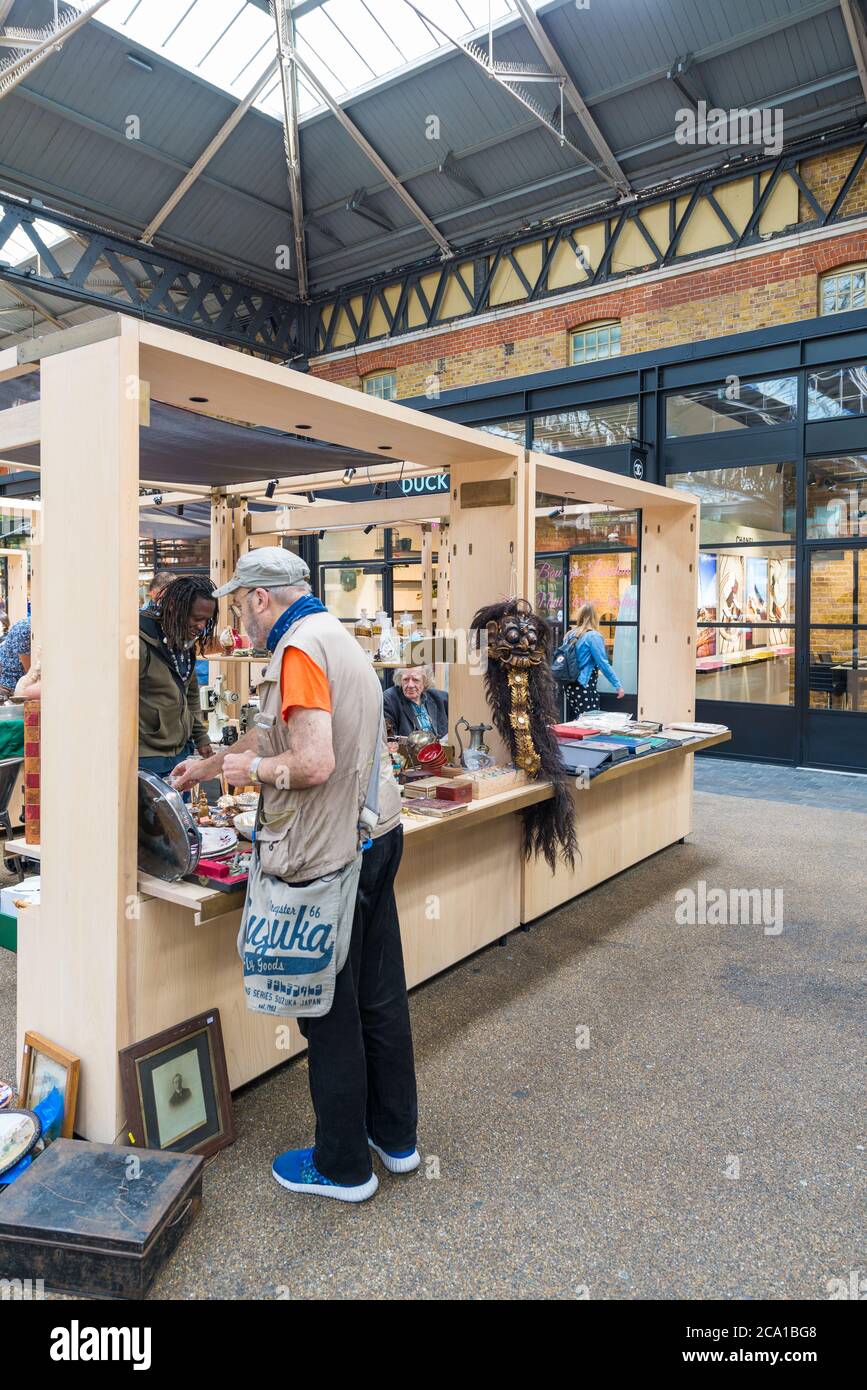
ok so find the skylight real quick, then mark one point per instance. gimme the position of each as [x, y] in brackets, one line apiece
[17, 248]
[348, 44]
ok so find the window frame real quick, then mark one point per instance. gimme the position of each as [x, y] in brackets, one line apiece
[836, 274]
[366, 381]
[583, 330]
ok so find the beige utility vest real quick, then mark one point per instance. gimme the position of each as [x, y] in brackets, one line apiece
[311, 831]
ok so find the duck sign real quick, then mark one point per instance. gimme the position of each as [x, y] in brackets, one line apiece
[293, 941]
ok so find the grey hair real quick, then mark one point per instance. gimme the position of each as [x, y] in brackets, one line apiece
[288, 593]
[426, 675]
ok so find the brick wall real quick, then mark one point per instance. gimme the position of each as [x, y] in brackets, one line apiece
[778, 287]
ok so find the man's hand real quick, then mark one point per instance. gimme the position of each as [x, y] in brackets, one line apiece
[192, 770]
[621, 692]
[236, 767]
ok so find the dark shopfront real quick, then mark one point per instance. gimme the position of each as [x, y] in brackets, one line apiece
[770, 430]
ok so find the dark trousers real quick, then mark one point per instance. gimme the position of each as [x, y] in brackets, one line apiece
[359, 1055]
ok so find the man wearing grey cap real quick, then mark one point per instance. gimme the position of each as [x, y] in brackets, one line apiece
[326, 703]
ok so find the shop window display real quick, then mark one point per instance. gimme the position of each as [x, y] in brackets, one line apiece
[745, 646]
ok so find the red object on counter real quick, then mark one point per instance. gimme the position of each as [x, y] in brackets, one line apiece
[572, 731]
[431, 756]
[455, 791]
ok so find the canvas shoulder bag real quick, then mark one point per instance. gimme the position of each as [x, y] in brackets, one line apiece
[294, 938]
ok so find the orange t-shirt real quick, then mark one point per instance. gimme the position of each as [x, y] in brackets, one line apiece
[302, 683]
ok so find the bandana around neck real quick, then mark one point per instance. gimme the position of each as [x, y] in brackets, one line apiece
[301, 608]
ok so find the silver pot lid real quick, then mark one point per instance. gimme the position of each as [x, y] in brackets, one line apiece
[169, 842]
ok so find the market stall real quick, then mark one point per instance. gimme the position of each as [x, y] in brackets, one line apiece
[111, 956]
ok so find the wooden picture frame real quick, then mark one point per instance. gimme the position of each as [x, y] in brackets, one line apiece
[35, 1045]
[176, 1088]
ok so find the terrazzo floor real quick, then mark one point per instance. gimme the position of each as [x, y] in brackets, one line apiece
[704, 1144]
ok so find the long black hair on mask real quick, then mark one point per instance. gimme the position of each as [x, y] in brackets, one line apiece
[549, 826]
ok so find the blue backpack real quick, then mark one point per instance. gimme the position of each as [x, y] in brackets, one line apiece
[564, 663]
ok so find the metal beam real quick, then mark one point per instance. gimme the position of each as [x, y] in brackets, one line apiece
[207, 155]
[376, 160]
[56, 34]
[857, 34]
[154, 286]
[285, 25]
[416, 311]
[573, 96]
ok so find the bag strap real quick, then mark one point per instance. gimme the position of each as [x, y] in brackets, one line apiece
[369, 816]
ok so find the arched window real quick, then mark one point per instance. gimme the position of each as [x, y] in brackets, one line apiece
[595, 340]
[843, 288]
[382, 385]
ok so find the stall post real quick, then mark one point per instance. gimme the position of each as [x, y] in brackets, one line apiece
[16, 582]
[74, 951]
[491, 542]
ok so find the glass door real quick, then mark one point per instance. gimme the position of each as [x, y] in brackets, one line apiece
[835, 665]
[835, 727]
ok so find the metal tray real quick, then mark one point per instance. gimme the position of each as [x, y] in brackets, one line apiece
[169, 842]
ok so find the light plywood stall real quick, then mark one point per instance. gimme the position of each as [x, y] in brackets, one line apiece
[16, 584]
[111, 956]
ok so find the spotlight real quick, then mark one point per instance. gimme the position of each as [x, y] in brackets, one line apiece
[378, 489]
[348, 476]
[181, 509]
[157, 499]
[322, 535]
[269, 491]
[311, 498]
[557, 512]
[368, 529]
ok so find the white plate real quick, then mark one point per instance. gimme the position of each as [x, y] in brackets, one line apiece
[216, 839]
[244, 824]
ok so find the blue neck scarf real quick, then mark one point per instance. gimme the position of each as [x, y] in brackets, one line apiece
[301, 608]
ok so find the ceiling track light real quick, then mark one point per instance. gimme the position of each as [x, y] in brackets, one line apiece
[269, 491]
[322, 535]
[368, 529]
[348, 476]
[311, 497]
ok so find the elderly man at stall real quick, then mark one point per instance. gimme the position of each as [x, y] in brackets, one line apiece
[412, 703]
[327, 706]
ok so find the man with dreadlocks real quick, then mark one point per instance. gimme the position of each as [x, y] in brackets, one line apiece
[169, 723]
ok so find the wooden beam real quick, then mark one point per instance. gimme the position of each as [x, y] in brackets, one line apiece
[564, 478]
[254, 392]
[19, 426]
[16, 585]
[75, 977]
[382, 511]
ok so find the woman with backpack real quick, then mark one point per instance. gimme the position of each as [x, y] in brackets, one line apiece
[579, 660]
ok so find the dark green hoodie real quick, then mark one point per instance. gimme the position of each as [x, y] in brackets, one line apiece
[168, 711]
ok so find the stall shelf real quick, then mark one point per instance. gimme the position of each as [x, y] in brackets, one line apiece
[108, 958]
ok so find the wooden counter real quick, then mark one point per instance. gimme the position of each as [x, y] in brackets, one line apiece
[463, 883]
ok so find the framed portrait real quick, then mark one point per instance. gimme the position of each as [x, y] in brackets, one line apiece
[176, 1088]
[19, 1133]
[44, 1066]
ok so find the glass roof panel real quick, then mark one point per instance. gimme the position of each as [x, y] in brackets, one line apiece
[349, 44]
[18, 248]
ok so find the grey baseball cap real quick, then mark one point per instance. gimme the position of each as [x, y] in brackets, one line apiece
[267, 568]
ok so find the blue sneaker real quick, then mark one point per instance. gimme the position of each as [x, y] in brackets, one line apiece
[402, 1161]
[296, 1170]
